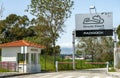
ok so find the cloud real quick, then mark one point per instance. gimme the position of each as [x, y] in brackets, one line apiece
[65, 45]
[66, 51]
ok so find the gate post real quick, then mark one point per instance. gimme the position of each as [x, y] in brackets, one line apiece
[56, 64]
[115, 47]
[107, 63]
[73, 50]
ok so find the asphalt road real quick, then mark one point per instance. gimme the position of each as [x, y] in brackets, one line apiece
[69, 74]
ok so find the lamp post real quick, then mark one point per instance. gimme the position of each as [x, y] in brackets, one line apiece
[115, 47]
[73, 34]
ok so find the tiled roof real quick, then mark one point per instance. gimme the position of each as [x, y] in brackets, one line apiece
[21, 43]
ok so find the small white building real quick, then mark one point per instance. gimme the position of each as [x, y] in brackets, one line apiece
[26, 55]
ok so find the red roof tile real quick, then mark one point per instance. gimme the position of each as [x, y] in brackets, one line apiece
[21, 43]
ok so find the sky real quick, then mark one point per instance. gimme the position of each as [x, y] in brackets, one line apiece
[80, 7]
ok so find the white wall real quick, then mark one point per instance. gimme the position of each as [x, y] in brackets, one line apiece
[23, 68]
[10, 53]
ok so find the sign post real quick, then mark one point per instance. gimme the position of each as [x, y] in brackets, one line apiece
[115, 47]
[73, 33]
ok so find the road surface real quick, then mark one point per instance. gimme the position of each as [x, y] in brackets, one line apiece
[69, 74]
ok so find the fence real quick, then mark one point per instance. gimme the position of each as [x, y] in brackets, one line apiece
[82, 65]
[8, 66]
[66, 64]
[47, 64]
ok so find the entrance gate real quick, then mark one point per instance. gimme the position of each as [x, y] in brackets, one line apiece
[93, 24]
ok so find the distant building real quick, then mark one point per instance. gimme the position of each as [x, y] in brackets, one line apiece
[76, 57]
[67, 57]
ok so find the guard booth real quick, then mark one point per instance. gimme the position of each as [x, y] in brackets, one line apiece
[24, 54]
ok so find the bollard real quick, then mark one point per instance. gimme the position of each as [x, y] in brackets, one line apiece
[107, 66]
[56, 64]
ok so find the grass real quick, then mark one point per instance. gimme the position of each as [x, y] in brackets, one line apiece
[80, 64]
[112, 69]
[4, 70]
[47, 63]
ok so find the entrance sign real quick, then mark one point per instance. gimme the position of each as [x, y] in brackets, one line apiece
[94, 24]
[80, 33]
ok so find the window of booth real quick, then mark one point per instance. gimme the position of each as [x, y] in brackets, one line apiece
[21, 58]
[33, 58]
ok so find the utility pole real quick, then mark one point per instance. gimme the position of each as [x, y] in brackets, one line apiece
[115, 47]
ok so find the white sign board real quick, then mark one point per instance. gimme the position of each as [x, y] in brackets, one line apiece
[94, 21]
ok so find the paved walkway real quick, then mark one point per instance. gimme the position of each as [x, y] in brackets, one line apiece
[9, 74]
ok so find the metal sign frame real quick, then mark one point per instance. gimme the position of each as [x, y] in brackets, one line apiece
[100, 28]
[94, 24]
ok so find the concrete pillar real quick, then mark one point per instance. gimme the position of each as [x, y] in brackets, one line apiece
[29, 58]
[37, 58]
[56, 64]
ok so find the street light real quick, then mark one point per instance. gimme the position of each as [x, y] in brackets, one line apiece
[115, 47]
[73, 34]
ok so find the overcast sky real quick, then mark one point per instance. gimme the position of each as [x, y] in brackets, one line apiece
[80, 7]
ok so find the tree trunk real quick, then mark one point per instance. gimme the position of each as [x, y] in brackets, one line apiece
[92, 56]
[54, 51]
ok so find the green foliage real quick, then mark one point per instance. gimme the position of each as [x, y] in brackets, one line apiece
[105, 56]
[49, 51]
[101, 48]
[45, 29]
[118, 33]
[64, 66]
[51, 15]
[47, 63]
[52, 12]
[80, 64]
[4, 70]
[112, 69]
[15, 27]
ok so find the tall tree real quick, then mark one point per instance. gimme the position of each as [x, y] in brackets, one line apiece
[43, 35]
[42, 32]
[1, 27]
[15, 27]
[55, 12]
